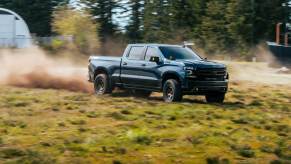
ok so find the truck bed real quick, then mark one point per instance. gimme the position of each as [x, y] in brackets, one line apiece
[111, 64]
[105, 58]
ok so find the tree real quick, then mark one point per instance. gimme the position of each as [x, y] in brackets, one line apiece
[267, 14]
[134, 27]
[78, 24]
[240, 24]
[158, 21]
[103, 11]
[187, 16]
[213, 29]
[36, 13]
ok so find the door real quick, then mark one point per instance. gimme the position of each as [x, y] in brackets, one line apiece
[151, 69]
[132, 74]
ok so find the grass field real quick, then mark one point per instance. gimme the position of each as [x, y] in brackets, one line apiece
[55, 126]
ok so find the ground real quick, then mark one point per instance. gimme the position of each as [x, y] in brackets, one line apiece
[57, 126]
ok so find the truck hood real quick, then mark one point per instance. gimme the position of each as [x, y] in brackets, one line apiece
[203, 64]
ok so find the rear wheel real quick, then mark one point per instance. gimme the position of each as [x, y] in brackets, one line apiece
[215, 97]
[172, 91]
[102, 85]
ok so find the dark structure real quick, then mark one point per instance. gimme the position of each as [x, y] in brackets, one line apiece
[282, 51]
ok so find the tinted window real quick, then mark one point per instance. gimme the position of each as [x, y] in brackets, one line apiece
[136, 53]
[178, 53]
[151, 52]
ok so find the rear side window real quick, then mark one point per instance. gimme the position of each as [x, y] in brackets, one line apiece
[136, 53]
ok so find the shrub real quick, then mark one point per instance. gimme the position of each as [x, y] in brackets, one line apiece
[267, 149]
[116, 162]
[126, 112]
[78, 122]
[140, 137]
[217, 160]
[144, 140]
[92, 114]
[57, 44]
[212, 160]
[34, 157]
[11, 153]
[246, 151]
[240, 120]
[117, 116]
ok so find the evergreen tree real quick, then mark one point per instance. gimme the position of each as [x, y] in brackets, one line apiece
[134, 27]
[240, 24]
[158, 21]
[187, 17]
[103, 11]
[267, 14]
[213, 30]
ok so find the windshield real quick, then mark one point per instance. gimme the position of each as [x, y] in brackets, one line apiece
[178, 53]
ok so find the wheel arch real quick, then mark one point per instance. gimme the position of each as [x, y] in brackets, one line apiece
[100, 70]
[171, 75]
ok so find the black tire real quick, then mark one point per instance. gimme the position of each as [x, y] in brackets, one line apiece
[215, 97]
[102, 85]
[141, 93]
[172, 91]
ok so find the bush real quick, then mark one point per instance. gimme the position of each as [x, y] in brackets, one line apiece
[34, 157]
[246, 151]
[57, 44]
[117, 116]
[140, 137]
[217, 160]
[11, 153]
[92, 114]
[143, 140]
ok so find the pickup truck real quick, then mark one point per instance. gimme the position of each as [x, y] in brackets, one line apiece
[174, 70]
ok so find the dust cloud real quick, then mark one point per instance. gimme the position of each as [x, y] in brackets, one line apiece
[257, 73]
[33, 68]
[260, 72]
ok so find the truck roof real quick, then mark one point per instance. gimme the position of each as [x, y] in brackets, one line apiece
[153, 44]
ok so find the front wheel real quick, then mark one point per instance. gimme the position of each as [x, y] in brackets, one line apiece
[102, 85]
[215, 97]
[172, 91]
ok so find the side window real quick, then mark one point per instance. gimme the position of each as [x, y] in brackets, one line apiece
[151, 52]
[136, 53]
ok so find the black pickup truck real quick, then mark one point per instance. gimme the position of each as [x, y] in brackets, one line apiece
[172, 69]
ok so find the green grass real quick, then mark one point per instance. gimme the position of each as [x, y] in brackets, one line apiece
[51, 126]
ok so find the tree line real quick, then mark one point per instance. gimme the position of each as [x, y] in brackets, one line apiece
[218, 26]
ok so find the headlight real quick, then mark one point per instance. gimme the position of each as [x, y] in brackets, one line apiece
[188, 68]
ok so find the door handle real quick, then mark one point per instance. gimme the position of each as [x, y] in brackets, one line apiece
[124, 63]
[143, 65]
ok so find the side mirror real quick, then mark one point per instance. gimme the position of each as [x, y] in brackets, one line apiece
[155, 59]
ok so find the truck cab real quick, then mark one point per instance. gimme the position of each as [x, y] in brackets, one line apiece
[172, 69]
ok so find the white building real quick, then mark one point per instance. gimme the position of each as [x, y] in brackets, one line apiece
[14, 31]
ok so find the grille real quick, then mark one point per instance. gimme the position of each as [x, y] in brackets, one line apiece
[210, 74]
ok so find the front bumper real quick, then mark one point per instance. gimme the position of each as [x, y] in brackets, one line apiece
[204, 87]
